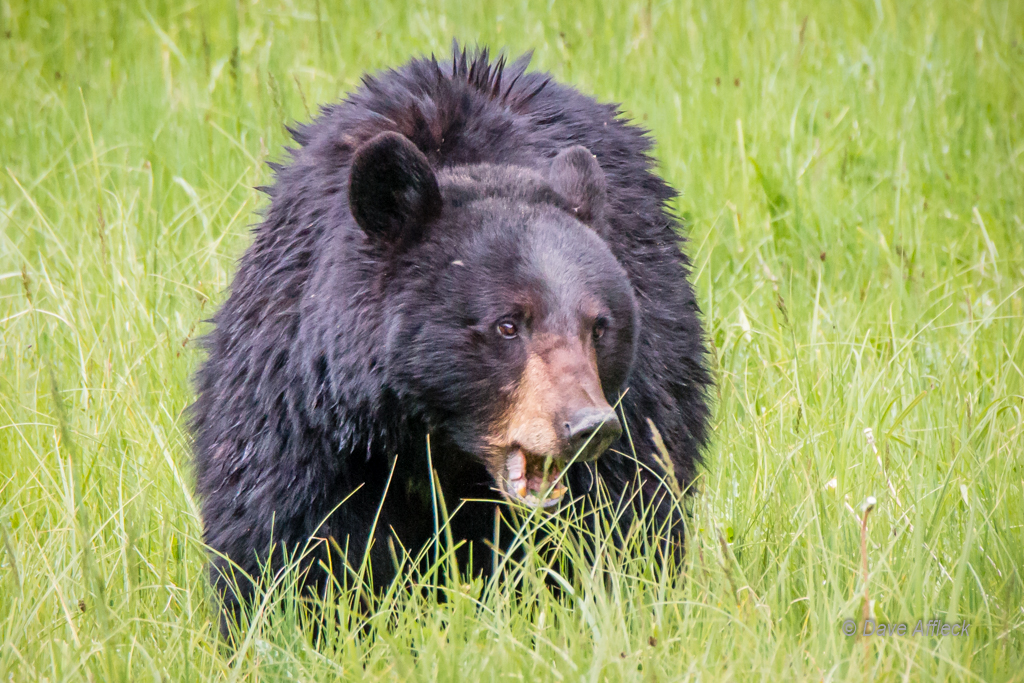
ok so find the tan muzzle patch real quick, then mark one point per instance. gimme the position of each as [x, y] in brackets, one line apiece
[533, 442]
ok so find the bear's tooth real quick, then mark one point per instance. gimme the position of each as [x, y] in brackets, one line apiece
[521, 490]
[516, 466]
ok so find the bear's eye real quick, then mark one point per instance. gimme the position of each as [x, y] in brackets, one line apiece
[600, 325]
[508, 329]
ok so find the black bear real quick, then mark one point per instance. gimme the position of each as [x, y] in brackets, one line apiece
[462, 251]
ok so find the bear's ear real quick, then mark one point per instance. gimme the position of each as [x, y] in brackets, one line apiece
[576, 175]
[392, 190]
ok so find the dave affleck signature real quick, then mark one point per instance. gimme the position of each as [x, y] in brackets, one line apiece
[931, 627]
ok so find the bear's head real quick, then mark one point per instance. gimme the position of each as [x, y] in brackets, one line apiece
[511, 326]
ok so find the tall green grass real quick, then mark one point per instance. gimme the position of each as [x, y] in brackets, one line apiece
[853, 179]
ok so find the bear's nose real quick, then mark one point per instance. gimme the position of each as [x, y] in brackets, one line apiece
[591, 431]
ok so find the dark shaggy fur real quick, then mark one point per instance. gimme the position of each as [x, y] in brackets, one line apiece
[338, 351]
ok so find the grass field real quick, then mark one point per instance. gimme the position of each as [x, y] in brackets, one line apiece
[853, 178]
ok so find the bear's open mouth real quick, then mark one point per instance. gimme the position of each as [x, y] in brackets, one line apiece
[533, 480]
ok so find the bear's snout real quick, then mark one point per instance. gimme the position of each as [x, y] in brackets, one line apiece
[558, 415]
[560, 410]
